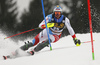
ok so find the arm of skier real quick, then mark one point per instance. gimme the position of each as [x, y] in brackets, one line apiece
[70, 29]
[72, 33]
[42, 24]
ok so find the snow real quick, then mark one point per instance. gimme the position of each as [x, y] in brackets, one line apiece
[64, 52]
[22, 5]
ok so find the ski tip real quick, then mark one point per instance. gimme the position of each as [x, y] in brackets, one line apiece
[4, 57]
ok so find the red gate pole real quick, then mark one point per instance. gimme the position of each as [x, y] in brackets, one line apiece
[90, 23]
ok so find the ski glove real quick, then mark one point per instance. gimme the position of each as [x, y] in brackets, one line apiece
[77, 42]
[43, 26]
[48, 25]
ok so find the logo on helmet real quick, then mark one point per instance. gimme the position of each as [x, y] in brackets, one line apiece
[57, 5]
[57, 8]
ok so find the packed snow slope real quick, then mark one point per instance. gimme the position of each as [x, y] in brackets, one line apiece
[64, 52]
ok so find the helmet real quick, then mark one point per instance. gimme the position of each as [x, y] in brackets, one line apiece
[57, 8]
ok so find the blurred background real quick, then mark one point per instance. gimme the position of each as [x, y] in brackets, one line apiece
[21, 15]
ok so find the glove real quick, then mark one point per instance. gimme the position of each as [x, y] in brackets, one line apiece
[77, 42]
[48, 25]
[43, 26]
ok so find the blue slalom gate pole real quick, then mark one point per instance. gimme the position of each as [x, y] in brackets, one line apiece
[46, 24]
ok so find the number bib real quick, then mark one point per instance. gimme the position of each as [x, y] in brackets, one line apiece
[58, 26]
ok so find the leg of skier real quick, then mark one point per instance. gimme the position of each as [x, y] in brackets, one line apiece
[40, 46]
[42, 39]
[53, 38]
[42, 36]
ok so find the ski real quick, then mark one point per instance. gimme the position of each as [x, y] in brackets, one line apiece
[6, 57]
[18, 53]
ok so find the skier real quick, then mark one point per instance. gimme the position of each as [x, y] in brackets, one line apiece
[41, 40]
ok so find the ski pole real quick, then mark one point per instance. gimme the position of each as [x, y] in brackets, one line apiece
[22, 32]
[87, 41]
[48, 25]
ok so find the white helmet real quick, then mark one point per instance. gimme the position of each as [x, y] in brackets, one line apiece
[57, 8]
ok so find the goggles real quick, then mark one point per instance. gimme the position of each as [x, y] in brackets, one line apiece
[57, 13]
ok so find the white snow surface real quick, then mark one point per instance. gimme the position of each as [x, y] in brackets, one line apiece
[64, 52]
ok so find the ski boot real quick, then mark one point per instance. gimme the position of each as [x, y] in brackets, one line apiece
[40, 46]
[26, 46]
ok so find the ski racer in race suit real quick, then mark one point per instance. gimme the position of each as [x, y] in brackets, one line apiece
[60, 21]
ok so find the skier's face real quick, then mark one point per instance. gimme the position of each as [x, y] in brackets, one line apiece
[57, 15]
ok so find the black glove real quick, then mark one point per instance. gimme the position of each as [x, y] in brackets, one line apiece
[77, 42]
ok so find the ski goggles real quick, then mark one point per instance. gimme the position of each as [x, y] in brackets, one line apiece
[57, 13]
